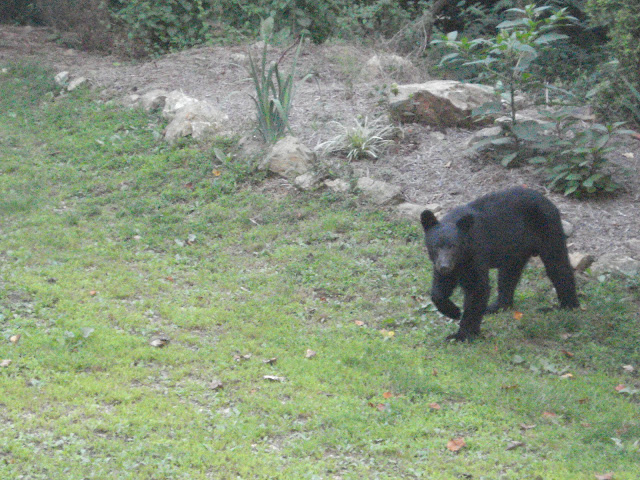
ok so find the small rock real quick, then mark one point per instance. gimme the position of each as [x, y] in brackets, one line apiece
[379, 192]
[216, 385]
[289, 157]
[580, 261]
[308, 181]
[77, 83]
[338, 185]
[62, 78]
[412, 211]
[159, 341]
[482, 135]
[174, 101]
[153, 100]
[567, 227]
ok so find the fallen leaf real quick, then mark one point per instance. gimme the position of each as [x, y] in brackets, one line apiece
[456, 444]
[171, 279]
[216, 385]
[93, 292]
[620, 387]
[387, 395]
[5, 363]
[159, 342]
[434, 372]
[274, 378]
[434, 406]
[381, 407]
[549, 415]
[270, 361]
[514, 445]
[566, 376]
[359, 323]
[526, 427]
[239, 357]
[189, 185]
[604, 476]
[582, 401]
[518, 315]
[216, 173]
[628, 368]
[628, 154]
[15, 338]
[567, 353]
[510, 387]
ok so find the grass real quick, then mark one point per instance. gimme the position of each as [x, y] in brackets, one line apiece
[109, 239]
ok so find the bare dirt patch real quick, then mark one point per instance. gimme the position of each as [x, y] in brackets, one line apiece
[428, 164]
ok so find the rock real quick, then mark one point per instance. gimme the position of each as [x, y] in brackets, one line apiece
[634, 245]
[482, 135]
[580, 261]
[379, 192]
[568, 228]
[309, 181]
[174, 101]
[198, 120]
[617, 264]
[153, 100]
[239, 58]
[338, 185]
[131, 100]
[442, 103]
[76, 83]
[412, 211]
[62, 78]
[289, 157]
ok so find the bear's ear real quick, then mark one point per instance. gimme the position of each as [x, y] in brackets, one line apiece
[465, 223]
[428, 219]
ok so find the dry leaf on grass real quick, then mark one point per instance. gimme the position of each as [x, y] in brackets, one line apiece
[456, 444]
[310, 353]
[5, 363]
[15, 338]
[274, 378]
[514, 445]
[216, 385]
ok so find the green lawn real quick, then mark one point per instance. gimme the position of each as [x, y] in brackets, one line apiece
[109, 239]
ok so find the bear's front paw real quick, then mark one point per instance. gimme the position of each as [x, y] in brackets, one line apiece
[462, 336]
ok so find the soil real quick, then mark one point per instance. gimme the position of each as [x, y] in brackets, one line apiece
[334, 84]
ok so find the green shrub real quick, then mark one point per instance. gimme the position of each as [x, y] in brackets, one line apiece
[162, 25]
[617, 92]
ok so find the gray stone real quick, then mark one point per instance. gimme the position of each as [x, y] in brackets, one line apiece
[580, 261]
[62, 78]
[412, 211]
[309, 181]
[482, 135]
[198, 120]
[174, 101]
[616, 263]
[289, 157]
[338, 185]
[77, 83]
[153, 100]
[567, 227]
[443, 103]
[379, 192]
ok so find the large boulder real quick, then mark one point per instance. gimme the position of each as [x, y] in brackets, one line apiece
[174, 101]
[153, 100]
[289, 157]
[442, 103]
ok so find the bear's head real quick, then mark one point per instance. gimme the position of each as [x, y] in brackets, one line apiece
[446, 241]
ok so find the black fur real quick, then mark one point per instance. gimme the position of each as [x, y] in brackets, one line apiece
[501, 230]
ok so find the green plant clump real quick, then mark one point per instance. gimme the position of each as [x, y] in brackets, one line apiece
[273, 90]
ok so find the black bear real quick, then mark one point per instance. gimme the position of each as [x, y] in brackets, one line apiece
[501, 230]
